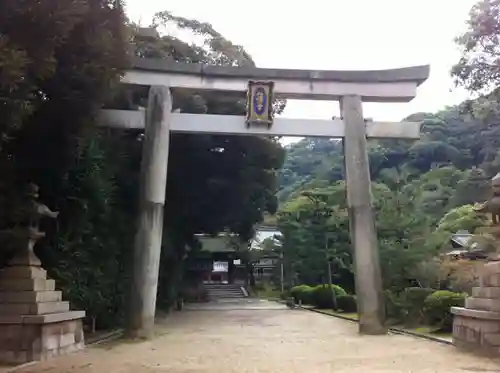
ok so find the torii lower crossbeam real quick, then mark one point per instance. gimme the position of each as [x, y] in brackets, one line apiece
[235, 125]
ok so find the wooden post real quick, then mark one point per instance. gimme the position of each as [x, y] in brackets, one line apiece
[282, 274]
[368, 278]
[148, 239]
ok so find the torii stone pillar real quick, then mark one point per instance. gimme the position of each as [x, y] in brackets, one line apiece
[147, 246]
[361, 220]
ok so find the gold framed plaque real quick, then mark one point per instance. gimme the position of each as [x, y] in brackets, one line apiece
[260, 103]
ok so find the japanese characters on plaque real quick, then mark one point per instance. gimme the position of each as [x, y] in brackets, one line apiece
[260, 103]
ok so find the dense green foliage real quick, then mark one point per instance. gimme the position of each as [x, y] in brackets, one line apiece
[324, 296]
[68, 66]
[347, 303]
[302, 293]
[321, 296]
[59, 61]
[437, 308]
[423, 191]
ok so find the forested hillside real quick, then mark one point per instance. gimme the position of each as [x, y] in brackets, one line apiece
[423, 190]
[463, 147]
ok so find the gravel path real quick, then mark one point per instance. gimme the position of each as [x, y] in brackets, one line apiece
[270, 339]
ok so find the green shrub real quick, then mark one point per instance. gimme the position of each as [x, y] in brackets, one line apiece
[437, 308]
[347, 303]
[285, 295]
[395, 306]
[302, 293]
[413, 303]
[322, 296]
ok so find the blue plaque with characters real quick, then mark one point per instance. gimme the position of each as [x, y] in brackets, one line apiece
[260, 103]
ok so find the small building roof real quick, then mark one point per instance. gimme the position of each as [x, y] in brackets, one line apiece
[461, 239]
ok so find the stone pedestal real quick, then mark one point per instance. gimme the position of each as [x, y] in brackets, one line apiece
[35, 323]
[476, 327]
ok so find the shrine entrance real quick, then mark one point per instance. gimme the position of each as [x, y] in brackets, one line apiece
[262, 86]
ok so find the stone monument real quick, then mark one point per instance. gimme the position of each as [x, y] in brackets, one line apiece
[35, 323]
[476, 326]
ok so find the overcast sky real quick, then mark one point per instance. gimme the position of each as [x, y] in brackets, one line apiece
[335, 35]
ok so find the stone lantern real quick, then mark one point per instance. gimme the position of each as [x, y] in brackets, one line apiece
[35, 323]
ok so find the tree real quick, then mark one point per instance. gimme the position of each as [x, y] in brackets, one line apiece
[216, 183]
[402, 231]
[65, 64]
[477, 69]
[59, 62]
[314, 229]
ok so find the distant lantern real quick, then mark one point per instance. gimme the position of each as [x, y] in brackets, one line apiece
[260, 103]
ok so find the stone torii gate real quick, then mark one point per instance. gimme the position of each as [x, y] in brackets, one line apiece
[350, 88]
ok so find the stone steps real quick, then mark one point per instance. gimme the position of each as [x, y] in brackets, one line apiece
[222, 291]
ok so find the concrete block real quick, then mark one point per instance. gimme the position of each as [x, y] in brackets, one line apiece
[486, 292]
[27, 285]
[472, 336]
[30, 296]
[490, 268]
[23, 272]
[66, 339]
[492, 339]
[490, 280]
[51, 307]
[52, 318]
[484, 304]
[33, 308]
[476, 314]
[50, 342]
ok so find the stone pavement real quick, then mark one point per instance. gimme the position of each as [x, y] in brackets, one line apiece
[265, 337]
[233, 304]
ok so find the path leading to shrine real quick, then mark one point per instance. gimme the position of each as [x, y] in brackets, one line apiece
[265, 337]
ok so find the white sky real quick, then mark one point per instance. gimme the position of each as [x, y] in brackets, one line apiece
[336, 35]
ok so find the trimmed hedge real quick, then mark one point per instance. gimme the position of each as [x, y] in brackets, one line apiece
[322, 295]
[394, 306]
[407, 306]
[414, 305]
[347, 303]
[437, 308]
[414, 301]
[302, 293]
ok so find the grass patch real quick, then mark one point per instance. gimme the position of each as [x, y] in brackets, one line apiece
[424, 330]
[428, 330]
